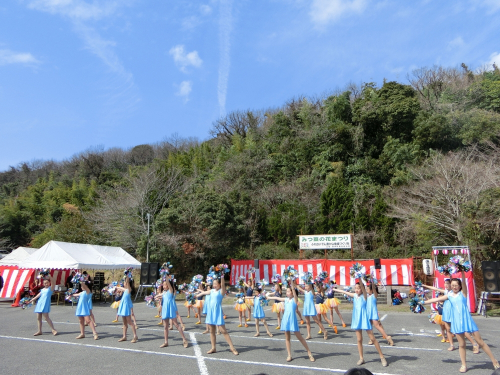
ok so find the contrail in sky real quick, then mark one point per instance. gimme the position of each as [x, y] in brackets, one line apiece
[225, 28]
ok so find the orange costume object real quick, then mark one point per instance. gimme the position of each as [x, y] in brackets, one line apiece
[321, 308]
[332, 302]
[240, 306]
[278, 307]
[199, 303]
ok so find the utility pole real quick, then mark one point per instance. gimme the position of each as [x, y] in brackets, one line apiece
[147, 245]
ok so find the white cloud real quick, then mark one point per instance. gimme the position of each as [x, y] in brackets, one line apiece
[183, 59]
[184, 89]
[76, 9]
[494, 59]
[456, 43]
[325, 11]
[10, 57]
[492, 5]
[205, 9]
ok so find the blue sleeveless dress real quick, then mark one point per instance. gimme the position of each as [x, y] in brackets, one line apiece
[214, 310]
[43, 302]
[82, 308]
[309, 308]
[258, 311]
[90, 301]
[125, 308]
[371, 307]
[168, 306]
[360, 318]
[461, 320]
[289, 320]
[205, 305]
[446, 316]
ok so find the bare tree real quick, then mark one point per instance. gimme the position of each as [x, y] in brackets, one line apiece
[121, 214]
[237, 122]
[443, 188]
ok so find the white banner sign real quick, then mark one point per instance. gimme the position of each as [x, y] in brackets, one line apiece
[325, 241]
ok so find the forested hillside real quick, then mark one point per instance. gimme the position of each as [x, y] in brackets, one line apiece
[404, 166]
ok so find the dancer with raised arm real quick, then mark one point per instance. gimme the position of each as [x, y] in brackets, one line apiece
[83, 305]
[309, 310]
[214, 309]
[447, 315]
[289, 322]
[361, 322]
[371, 308]
[461, 320]
[169, 311]
[258, 311]
[42, 308]
[126, 305]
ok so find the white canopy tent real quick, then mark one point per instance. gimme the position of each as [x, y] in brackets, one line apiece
[65, 255]
[17, 256]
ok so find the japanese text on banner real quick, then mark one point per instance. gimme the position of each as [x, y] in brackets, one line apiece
[325, 241]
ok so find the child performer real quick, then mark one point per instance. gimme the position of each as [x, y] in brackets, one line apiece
[214, 314]
[333, 303]
[309, 309]
[199, 305]
[372, 310]
[461, 320]
[250, 286]
[125, 308]
[446, 318]
[278, 307]
[83, 308]
[205, 306]
[189, 306]
[159, 290]
[241, 307]
[258, 311]
[289, 322]
[169, 311]
[360, 321]
[43, 306]
[321, 308]
[116, 304]
[89, 286]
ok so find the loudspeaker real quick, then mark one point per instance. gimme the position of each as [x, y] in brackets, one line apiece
[378, 266]
[256, 264]
[491, 275]
[149, 273]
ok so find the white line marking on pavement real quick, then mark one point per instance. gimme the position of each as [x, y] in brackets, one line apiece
[382, 319]
[184, 356]
[199, 357]
[406, 333]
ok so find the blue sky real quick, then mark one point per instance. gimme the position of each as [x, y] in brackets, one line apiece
[81, 73]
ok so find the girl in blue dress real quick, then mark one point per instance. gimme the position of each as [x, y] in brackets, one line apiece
[372, 310]
[447, 315]
[125, 308]
[461, 320]
[289, 321]
[169, 311]
[258, 311]
[215, 316]
[361, 321]
[309, 310]
[83, 311]
[205, 306]
[42, 308]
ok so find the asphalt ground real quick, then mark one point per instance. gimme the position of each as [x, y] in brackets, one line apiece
[417, 349]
